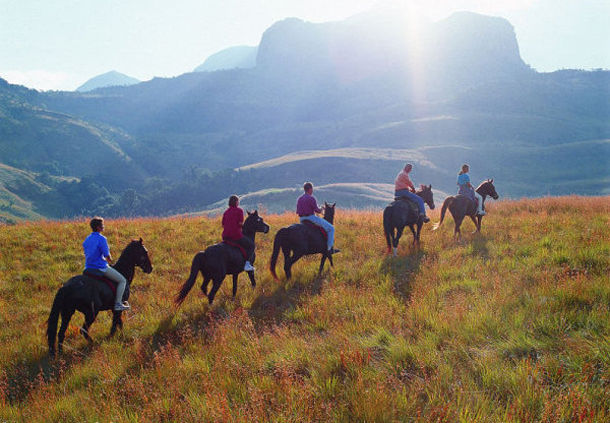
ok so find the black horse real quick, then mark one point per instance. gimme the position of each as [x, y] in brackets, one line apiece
[220, 260]
[461, 206]
[299, 240]
[90, 296]
[401, 213]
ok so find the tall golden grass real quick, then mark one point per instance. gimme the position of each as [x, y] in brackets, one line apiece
[509, 325]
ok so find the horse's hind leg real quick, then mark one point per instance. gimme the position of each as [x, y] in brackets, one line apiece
[89, 319]
[399, 231]
[204, 285]
[66, 315]
[216, 282]
[476, 225]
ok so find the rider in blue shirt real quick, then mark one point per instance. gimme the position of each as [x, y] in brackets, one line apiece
[466, 188]
[97, 256]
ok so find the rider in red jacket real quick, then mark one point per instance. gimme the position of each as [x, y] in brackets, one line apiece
[232, 221]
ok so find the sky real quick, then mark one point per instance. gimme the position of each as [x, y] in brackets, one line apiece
[60, 44]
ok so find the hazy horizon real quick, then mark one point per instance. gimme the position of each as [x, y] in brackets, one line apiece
[60, 46]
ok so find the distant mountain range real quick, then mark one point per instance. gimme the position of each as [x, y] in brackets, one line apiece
[108, 79]
[239, 57]
[343, 104]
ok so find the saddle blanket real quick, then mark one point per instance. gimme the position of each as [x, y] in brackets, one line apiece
[235, 244]
[98, 275]
[320, 228]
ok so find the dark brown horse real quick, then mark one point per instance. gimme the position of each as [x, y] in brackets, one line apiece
[400, 213]
[461, 206]
[299, 240]
[90, 296]
[220, 260]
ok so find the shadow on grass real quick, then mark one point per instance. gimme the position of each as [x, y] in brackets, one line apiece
[271, 309]
[478, 247]
[403, 270]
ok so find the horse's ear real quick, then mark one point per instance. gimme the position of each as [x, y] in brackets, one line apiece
[491, 180]
[334, 204]
[255, 212]
[430, 187]
[140, 241]
[325, 204]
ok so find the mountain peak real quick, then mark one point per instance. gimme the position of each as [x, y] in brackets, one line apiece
[108, 79]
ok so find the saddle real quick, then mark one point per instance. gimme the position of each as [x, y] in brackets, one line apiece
[99, 275]
[406, 200]
[236, 245]
[318, 227]
[474, 204]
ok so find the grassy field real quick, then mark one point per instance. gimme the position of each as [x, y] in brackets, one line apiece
[508, 326]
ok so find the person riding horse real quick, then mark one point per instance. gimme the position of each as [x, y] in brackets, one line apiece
[403, 187]
[465, 188]
[307, 207]
[232, 222]
[97, 259]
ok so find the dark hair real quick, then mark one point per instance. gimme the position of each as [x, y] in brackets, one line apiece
[233, 200]
[408, 165]
[307, 186]
[96, 222]
[463, 166]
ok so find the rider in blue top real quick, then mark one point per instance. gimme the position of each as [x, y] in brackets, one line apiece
[97, 256]
[466, 188]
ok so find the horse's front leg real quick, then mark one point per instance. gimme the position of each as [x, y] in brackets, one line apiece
[251, 277]
[117, 322]
[235, 277]
[416, 232]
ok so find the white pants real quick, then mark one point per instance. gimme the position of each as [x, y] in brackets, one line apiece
[113, 274]
[328, 227]
[480, 206]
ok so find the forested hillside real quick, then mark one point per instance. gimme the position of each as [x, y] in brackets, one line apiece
[460, 94]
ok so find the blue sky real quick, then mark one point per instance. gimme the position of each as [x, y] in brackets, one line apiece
[59, 44]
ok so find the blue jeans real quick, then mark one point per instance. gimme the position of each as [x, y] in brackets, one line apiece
[412, 196]
[328, 227]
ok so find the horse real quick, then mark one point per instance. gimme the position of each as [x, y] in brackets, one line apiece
[400, 213]
[299, 240]
[220, 260]
[461, 206]
[90, 296]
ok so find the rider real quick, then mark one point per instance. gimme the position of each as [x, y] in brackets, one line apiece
[307, 207]
[403, 187]
[232, 222]
[466, 188]
[97, 256]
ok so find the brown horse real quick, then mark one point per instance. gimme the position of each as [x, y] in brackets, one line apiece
[400, 214]
[461, 206]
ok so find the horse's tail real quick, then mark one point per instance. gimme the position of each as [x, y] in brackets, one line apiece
[58, 304]
[387, 227]
[448, 201]
[277, 244]
[196, 266]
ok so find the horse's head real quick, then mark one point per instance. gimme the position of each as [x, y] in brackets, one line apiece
[139, 255]
[425, 192]
[254, 223]
[329, 212]
[487, 188]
